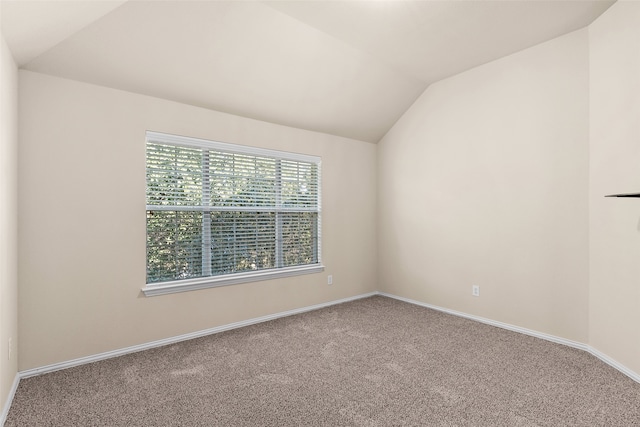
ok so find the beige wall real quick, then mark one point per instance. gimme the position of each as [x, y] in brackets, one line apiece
[614, 315]
[483, 182]
[8, 219]
[82, 221]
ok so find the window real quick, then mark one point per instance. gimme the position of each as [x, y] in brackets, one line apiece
[220, 214]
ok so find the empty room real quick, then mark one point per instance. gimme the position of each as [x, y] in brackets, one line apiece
[320, 213]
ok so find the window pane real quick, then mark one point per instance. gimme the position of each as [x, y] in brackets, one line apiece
[299, 184]
[241, 180]
[242, 241]
[299, 238]
[174, 175]
[174, 245]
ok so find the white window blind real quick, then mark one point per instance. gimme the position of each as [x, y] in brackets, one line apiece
[224, 211]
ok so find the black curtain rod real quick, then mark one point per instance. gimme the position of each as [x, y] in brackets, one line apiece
[624, 195]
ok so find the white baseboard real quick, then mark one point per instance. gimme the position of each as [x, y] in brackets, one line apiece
[7, 403]
[172, 340]
[603, 357]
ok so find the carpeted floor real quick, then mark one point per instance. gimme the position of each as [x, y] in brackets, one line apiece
[371, 362]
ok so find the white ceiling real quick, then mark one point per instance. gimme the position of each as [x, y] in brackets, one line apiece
[348, 68]
[32, 27]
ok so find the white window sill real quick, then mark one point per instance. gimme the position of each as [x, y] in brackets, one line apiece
[228, 279]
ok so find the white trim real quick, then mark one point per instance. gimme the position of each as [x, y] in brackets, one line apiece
[319, 218]
[7, 403]
[187, 141]
[175, 286]
[136, 348]
[558, 340]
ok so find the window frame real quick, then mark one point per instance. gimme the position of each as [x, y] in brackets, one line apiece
[183, 285]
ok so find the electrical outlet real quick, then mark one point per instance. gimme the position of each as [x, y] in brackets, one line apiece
[10, 347]
[475, 290]
[330, 279]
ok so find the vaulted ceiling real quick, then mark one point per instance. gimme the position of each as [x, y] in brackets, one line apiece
[348, 68]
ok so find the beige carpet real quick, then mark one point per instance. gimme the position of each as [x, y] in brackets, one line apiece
[372, 362]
